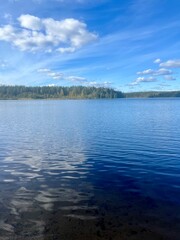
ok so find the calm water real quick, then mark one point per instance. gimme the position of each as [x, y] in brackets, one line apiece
[90, 169]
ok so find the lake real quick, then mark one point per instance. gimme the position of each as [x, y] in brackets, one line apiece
[90, 169]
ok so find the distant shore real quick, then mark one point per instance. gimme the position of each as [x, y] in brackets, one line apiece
[153, 94]
[75, 92]
[57, 92]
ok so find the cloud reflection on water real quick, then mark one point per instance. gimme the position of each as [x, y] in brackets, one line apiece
[37, 180]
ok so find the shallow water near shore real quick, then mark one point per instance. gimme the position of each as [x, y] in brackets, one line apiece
[90, 169]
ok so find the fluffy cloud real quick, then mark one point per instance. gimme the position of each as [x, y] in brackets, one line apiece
[73, 79]
[159, 72]
[171, 64]
[76, 79]
[60, 76]
[158, 60]
[98, 84]
[143, 79]
[66, 50]
[163, 71]
[148, 71]
[146, 79]
[36, 34]
[30, 22]
[51, 74]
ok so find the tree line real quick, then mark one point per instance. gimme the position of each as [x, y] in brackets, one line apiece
[56, 92]
[75, 92]
[153, 94]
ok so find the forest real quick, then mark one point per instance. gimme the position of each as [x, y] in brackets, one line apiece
[152, 94]
[47, 92]
[76, 92]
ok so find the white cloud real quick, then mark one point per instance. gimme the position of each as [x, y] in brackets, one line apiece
[51, 74]
[159, 72]
[171, 64]
[30, 22]
[36, 34]
[7, 33]
[56, 76]
[66, 50]
[60, 76]
[99, 84]
[73, 79]
[162, 71]
[76, 79]
[132, 84]
[158, 60]
[145, 79]
[148, 71]
[142, 79]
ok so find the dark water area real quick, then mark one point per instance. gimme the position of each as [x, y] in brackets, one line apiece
[90, 169]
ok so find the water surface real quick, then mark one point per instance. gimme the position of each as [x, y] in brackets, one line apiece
[90, 169]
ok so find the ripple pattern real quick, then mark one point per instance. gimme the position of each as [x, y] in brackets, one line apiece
[94, 164]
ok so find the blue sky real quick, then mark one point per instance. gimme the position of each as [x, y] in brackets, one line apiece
[130, 45]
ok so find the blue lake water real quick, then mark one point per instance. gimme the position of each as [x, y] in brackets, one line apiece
[90, 169]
